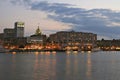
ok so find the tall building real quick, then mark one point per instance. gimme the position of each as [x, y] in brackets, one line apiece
[12, 36]
[19, 29]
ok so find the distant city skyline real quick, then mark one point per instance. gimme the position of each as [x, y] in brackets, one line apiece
[101, 17]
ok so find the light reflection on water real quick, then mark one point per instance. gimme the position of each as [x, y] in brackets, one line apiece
[89, 66]
[60, 66]
[44, 68]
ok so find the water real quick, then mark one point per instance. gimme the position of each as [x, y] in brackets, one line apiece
[60, 66]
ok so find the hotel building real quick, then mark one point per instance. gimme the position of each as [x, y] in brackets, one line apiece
[72, 38]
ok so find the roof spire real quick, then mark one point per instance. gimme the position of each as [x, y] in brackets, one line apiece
[38, 31]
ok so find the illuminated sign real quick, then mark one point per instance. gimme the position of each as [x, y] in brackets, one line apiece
[20, 24]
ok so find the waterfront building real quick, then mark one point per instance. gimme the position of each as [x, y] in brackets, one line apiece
[19, 29]
[15, 42]
[9, 33]
[14, 36]
[38, 39]
[109, 44]
[74, 39]
[21, 42]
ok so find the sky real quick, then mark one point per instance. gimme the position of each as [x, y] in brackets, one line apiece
[101, 17]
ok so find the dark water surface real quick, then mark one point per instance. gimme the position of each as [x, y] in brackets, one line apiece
[60, 66]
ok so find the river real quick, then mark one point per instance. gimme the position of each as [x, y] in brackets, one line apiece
[103, 65]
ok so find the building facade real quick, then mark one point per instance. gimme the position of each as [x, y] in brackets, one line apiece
[72, 38]
[9, 33]
[109, 44]
[37, 39]
[1, 38]
[19, 29]
[14, 36]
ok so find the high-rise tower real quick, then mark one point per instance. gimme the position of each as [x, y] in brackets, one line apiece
[19, 29]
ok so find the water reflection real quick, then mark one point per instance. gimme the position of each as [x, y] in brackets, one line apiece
[14, 53]
[89, 67]
[13, 65]
[36, 66]
[36, 53]
[68, 67]
[45, 66]
[72, 66]
[60, 66]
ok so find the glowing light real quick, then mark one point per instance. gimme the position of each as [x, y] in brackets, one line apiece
[13, 52]
[89, 47]
[89, 51]
[54, 52]
[118, 48]
[75, 52]
[82, 51]
[42, 53]
[36, 53]
[47, 53]
[68, 52]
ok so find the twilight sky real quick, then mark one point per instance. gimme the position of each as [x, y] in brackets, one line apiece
[97, 16]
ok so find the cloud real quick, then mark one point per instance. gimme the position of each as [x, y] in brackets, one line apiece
[103, 22]
[21, 2]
